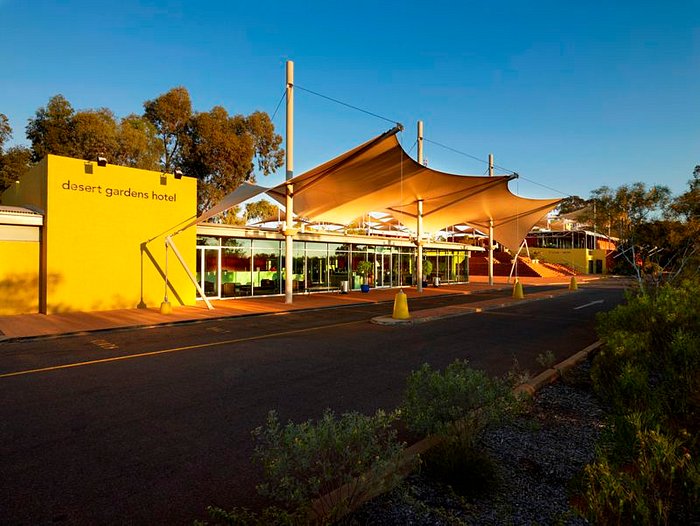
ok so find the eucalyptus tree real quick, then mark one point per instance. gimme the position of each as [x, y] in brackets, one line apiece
[572, 204]
[261, 211]
[5, 130]
[170, 114]
[50, 130]
[15, 160]
[625, 213]
[93, 133]
[138, 143]
[86, 134]
[686, 207]
[223, 151]
[618, 212]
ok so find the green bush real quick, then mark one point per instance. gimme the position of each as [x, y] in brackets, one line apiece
[456, 401]
[516, 375]
[307, 461]
[651, 357]
[469, 470]
[546, 359]
[659, 487]
[427, 267]
[456, 404]
[365, 268]
[649, 374]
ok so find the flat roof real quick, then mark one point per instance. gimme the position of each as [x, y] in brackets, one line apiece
[19, 215]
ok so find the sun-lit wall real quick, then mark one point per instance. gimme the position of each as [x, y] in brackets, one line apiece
[19, 269]
[20, 247]
[578, 258]
[104, 230]
[572, 258]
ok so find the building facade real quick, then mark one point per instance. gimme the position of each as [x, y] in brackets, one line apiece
[237, 261]
[583, 251]
[79, 236]
[101, 238]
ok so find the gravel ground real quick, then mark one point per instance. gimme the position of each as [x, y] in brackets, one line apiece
[536, 458]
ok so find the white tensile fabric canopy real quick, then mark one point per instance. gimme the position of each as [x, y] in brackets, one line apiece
[378, 176]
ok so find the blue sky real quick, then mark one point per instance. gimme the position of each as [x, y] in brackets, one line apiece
[571, 95]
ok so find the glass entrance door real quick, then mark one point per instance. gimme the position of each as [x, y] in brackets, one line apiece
[317, 271]
[208, 265]
[382, 274]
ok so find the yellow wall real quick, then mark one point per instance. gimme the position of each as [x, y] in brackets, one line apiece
[19, 277]
[577, 258]
[20, 269]
[104, 234]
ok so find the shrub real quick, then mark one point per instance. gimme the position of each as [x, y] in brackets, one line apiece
[651, 357]
[468, 470]
[659, 486]
[456, 404]
[457, 401]
[649, 373]
[427, 267]
[516, 375]
[546, 359]
[365, 268]
[307, 461]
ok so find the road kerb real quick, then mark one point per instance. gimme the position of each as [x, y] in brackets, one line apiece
[554, 373]
[452, 311]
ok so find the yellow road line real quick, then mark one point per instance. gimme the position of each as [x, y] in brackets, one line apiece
[175, 349]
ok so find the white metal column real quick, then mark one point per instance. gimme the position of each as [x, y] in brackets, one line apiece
[491, 229]
[289, 201]
[419, 219]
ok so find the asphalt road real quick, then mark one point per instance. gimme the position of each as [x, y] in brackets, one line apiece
[151, 426]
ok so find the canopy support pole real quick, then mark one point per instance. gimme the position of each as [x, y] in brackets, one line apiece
[419, 247]
[490, 229]
[289, 202]
[515, 260]
[169, 243]
[490, 251]
[420, 143]
[419, 217]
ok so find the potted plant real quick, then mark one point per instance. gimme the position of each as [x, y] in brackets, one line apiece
[427, 269]
[364, 268]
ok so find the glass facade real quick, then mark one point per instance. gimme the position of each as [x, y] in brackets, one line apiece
[229, 267]
[563, 240]
[266, 270]
[450, 266]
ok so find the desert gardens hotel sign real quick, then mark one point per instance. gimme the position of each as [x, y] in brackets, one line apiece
[109, 192]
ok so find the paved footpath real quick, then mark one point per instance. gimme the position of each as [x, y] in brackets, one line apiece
[41, 325]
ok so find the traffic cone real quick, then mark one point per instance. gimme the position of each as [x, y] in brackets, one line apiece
[573, 285]
[401, 306]
[518, 291]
